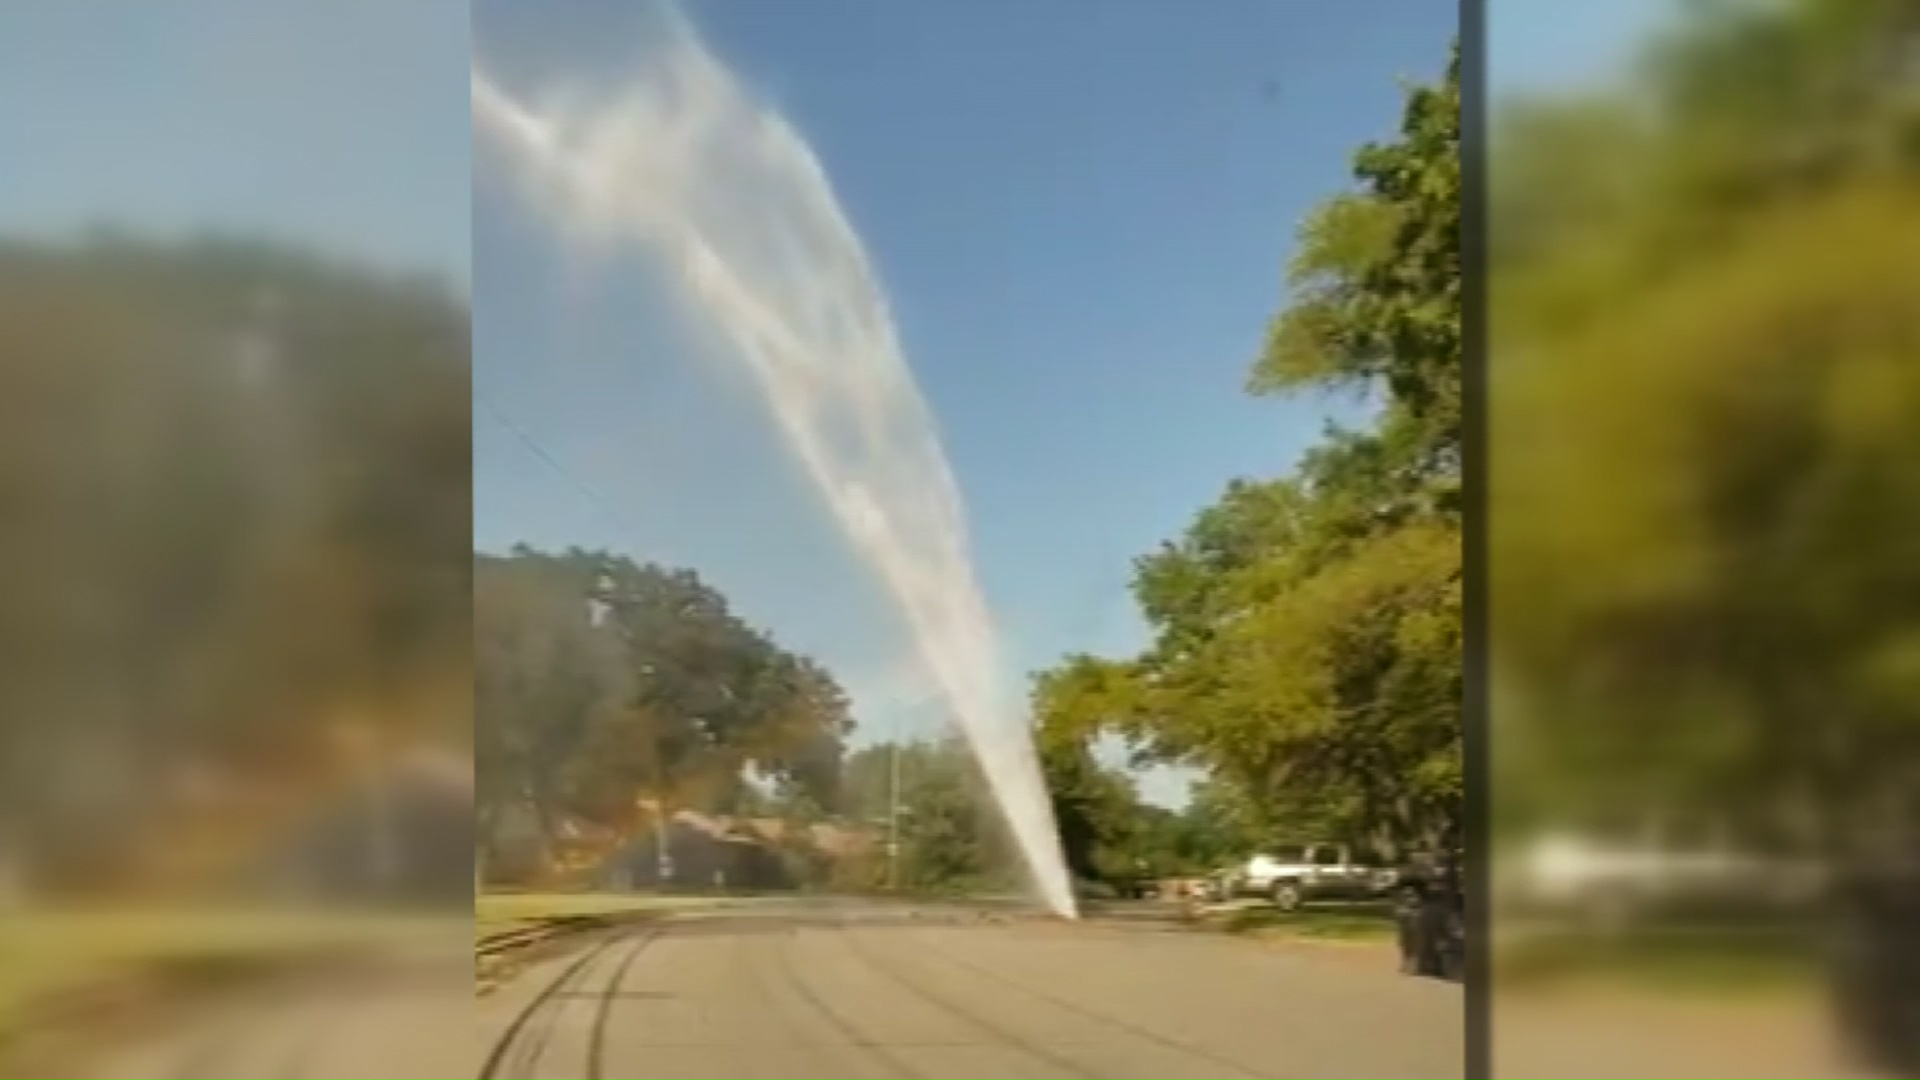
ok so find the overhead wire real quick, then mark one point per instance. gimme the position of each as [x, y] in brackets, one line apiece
[586, 491]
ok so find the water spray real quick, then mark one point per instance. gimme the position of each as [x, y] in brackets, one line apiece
[683, 164]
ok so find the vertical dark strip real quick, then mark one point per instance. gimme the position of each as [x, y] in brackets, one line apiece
[1474, 568]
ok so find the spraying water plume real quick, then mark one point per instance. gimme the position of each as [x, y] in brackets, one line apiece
[681, 162]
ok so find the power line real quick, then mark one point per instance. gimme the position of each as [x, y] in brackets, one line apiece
[662, 838]
[585, 490]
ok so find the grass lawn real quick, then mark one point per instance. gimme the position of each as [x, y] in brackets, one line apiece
[494, 912]
[47, 954]
[1357, 924]
[1709, 961]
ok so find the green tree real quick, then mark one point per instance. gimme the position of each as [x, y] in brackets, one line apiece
[238, 489]
[944, 841]
[603, 685]
[1306, 647]
[1377, 281]
[1095, 807]
[950, 834]
[1704, 390]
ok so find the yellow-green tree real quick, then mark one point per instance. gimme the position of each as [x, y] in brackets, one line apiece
[1704, 414]
[1307, 629]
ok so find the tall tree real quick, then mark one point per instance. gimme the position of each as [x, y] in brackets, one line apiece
[1306, 645]
[1095, 807]
[603, 685]
[1377, 276]
[1698, 553]
[238, 485]
[1705, 405]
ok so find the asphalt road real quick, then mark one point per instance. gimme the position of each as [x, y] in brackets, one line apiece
[931, 996]
[839, 991]
[395, 1020]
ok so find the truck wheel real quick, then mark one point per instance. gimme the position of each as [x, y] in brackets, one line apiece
[1286, 896]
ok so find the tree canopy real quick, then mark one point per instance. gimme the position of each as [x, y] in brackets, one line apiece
[602, 684]
[1703, 397]
[1376, 280]
[1306, 629]
[237, 482]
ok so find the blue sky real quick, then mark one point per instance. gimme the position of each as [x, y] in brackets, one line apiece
[1081, 223]
[1560, 45]
[341, 124]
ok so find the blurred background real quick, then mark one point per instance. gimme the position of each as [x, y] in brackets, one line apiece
[235, 491]
[1704, 414]
[236, 682]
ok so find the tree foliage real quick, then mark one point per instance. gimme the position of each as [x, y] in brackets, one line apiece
[1306, 648]
[237, 494]
[1095, 807]
[1705, 397]
[1377, 288]
[602, 684]
[930, 797]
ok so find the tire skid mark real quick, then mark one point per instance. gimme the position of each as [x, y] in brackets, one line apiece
[510, 1040]
[1246, 1072]
[946, 1004]
[533, 1050]
[895, 1065]
[603, 1009]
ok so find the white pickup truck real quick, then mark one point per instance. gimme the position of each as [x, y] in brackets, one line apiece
[1292, 874]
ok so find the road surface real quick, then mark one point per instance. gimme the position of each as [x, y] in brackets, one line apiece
[929, 996]
[871, 991]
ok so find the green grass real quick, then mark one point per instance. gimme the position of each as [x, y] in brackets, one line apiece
[47, 953]
[1347, 924]
[1712, 961]
[501, 911]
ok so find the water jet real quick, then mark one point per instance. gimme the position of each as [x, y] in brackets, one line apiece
[682, 163]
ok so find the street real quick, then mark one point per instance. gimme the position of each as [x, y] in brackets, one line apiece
[799, 989]
[922, 995]
[786, 989]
